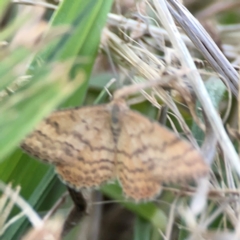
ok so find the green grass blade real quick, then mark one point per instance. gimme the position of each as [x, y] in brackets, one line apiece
[40, 97]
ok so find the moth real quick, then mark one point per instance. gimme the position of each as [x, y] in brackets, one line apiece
[92, 145]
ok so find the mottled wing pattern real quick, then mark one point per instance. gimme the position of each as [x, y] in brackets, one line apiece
[149, 154]
[79, 143]
[135, 157]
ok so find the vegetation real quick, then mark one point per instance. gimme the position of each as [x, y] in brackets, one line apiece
[47, 54]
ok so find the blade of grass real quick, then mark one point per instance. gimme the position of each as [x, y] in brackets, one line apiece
[3, 6]
[81, 45]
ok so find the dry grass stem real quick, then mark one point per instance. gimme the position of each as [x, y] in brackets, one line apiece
[23, 205]
[198, 85]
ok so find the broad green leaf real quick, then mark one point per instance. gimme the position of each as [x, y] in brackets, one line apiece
[148, 211]
[142, 229]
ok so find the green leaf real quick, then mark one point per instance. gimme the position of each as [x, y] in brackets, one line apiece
[3, 6]
[148, 211]
[142, 229]
[216, 90]
[70, 57]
